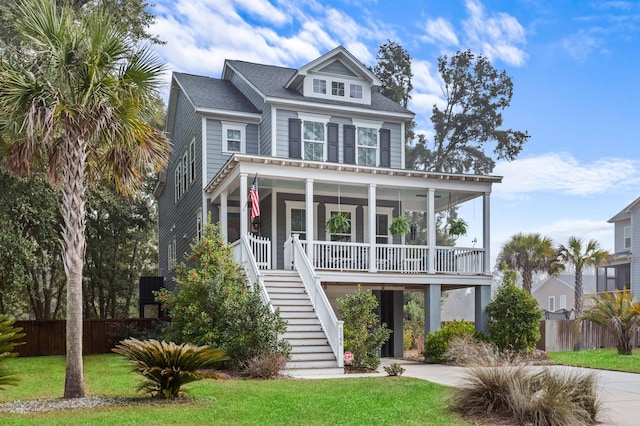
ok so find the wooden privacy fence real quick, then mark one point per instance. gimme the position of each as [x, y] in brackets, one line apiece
[99, 335]
[559, 335]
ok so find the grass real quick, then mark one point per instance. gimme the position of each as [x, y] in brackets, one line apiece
[376, 400]
[607, 359]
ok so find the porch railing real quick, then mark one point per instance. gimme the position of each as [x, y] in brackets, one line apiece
[347, 256]
[244, 254]
[261, 249]
[295, 254]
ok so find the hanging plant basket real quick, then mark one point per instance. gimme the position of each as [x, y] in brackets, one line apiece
[457, 227]
[399, 226]
[339, 224]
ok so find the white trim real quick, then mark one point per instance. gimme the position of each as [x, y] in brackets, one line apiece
[379, 211]
[221, 113]
[242, 128]
[347, 208]
[314, 118]
[368, 124]
[274, 131]
[347, 109]
[199, 224]
[299, 205]
[551, 304]
[402, 145]
[274, 228]
[205, 180]
[563, 301]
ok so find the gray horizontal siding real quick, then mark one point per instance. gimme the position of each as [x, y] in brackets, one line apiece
[254, 97]
[215, 157]
[252, 139]
[265, 132]
[397, 143]
[337, 67]
[282, 132]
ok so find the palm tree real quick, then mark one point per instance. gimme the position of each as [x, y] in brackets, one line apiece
[75, 101]
[527, 253]
[576, 254]
[620, 314]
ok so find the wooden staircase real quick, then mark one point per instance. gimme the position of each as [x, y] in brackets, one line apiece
[311, 353]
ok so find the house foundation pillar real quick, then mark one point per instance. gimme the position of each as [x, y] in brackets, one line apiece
[432, 295]
[482, 296]
[224, 217]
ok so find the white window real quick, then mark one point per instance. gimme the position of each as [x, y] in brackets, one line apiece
[199, 224]
[337, 88]
[367, 146]
[563, 301]
[192, 160]
[314, 140]
[552, 303]
[178, 181]
[627, 237]
[355, 91]
[172, 254]
[233, 137]
[383, 220]
[297, 218]
[319, 86]
[350, 211]
[185, 172]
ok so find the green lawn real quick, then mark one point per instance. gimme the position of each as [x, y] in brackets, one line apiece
[600, 358]
[377, 400]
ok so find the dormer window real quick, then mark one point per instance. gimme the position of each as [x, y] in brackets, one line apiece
[233, 137]
[355, 91]
[337, 88]
[320, 86]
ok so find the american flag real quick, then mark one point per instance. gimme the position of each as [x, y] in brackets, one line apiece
[255, 200]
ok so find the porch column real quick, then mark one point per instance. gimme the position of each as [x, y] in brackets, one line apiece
[224, 217]
[372, 228]
[483, 294]
[431, 232]
[243, 205]
[486, 221]
[431, 308]
[309, 219]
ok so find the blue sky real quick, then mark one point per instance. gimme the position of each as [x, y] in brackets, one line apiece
[574, 66]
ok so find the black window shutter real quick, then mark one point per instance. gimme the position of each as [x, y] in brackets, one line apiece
[332, 142]
[295, 138]
[385, 148]
[349, 144]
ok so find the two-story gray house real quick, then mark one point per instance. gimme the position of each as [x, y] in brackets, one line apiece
[318, 141]
[623, 269]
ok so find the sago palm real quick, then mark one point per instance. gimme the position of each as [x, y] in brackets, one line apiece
[75, 102]
[618, 313]
[527, 253]
[579, 255]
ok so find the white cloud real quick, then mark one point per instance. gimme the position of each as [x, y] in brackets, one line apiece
[562, 173]
[581, 45]
[496, 36]
[263, 10]
[440, 31]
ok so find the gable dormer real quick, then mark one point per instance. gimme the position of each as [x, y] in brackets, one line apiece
[336, 75]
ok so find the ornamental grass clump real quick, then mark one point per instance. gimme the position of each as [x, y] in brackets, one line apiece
[167, 366]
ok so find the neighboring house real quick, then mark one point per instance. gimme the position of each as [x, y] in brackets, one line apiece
[623, 268]
[557, 293]
[318, 140]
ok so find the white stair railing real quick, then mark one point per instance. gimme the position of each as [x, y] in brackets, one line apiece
[332, 327]
[261, 249]
[244, 255]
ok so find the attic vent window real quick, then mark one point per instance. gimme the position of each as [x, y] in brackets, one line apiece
[319, 86]
[337, 88]
[355, 91]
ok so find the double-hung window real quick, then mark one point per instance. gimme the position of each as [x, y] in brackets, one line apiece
[337, 88]
[172, 254]
[314, 140]
[355, 91]
[627, 237]
[552, 303]
[233, 137]
[367, 146]
[192, 160]
[199, 224]
[178, 181]
[319, 86]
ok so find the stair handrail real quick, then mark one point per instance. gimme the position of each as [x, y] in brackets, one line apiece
[247, 259]
[332, 327]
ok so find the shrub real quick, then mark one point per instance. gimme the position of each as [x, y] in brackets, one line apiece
[546, 397]
[514, 317]
[214, 305]
[437, 342]
[467, 350]
[266, 366]
[413, 336]
[9, 339]
[394, 369]
[167, 366]
[363, 333]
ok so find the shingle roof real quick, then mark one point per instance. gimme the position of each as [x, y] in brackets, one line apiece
[624, 213]
[271, 80]
[208, 92]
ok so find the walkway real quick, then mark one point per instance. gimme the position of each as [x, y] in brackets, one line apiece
[619, 392]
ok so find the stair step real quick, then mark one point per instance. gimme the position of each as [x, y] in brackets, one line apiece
[303, 372]
[286, 290]
[309, 328]
[313, 356]
[302, 349]
[289, 295]
[291, 302]
[311, 364]
[304, 321]
[304, 335]
[293, 315]
[292, 308]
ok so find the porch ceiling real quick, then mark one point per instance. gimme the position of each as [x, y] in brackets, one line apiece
[349, 180]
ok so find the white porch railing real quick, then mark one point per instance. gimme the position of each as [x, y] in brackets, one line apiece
[346, 256]
[261, 249]
[244, 255]
[295, 255]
